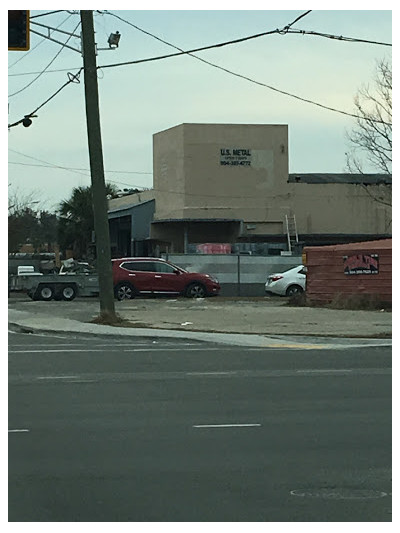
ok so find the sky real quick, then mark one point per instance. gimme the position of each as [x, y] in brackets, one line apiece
[49, 158]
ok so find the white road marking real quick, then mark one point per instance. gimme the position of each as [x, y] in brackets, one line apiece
[36, 334]
[111, 345]
[168, 375]
[226, 425]
[174, 349]
[57, 377]
[324, 371]
[82, 381]
[209, 373]
[132, 350]
[56, 351]
[18, 430]
[339, 493]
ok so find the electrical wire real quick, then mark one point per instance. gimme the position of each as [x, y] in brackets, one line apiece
[139, 61]
[44, 70]
[57, 167]
[71, 169]
[38, 72]
[167, 191]
[338, 37]
[191, 53]
[48, 13]
[73, 78]
[37, 45]
[47, 164]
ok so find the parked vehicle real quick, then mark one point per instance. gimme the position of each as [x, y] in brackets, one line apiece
[145, 275]
[287, 283]
[48, 287]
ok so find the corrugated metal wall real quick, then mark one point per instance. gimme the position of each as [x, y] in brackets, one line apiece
[239, 275]
[327, 266]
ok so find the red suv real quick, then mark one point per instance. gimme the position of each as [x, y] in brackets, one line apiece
[145, 275]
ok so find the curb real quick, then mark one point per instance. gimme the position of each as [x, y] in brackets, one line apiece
[232, 339]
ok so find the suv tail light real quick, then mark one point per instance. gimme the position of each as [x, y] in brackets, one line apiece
[275, 278]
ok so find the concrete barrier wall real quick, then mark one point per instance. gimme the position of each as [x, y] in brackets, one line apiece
[242, 275]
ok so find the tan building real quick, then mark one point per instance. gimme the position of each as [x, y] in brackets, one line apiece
[230, 183]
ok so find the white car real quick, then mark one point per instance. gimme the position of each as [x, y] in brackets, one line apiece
[287, 283]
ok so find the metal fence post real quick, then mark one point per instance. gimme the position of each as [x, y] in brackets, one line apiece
[238, 274]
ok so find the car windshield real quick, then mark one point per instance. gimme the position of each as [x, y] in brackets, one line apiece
[178, 268]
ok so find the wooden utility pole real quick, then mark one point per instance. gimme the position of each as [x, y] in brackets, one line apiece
[103, 251]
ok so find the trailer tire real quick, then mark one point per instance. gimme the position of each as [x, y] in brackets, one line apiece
[46, 292]
[68, 293]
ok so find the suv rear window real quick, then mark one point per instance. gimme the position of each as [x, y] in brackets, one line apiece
[148, 266]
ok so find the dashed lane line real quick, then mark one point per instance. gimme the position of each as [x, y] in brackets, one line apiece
[212, 426]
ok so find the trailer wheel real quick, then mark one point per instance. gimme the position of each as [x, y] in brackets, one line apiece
[68, 293]
[46, 292]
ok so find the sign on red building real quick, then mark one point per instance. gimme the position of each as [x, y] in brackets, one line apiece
[361, 264]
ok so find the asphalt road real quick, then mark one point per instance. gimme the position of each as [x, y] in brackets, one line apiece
[120, 430]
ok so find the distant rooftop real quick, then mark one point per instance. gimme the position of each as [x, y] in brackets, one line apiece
[382, 244]
[366, 179]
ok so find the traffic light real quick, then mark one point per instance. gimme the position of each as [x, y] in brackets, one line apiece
[18, 30]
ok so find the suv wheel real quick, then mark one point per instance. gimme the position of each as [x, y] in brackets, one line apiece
[195, 290]
[124, 291]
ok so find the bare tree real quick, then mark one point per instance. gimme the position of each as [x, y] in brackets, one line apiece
[19, 200]
[372, 135]
[27, 222]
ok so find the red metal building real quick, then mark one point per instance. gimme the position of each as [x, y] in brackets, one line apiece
[347, 269]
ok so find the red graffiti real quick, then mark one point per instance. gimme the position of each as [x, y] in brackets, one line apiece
[361, 262]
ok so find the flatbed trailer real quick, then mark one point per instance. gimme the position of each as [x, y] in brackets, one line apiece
[60, 286]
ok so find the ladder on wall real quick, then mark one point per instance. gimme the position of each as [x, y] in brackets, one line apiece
[291, 230]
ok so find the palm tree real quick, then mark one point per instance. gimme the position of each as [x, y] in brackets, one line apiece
[76, 222]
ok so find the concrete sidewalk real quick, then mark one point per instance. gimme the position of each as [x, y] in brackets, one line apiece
[226, 320]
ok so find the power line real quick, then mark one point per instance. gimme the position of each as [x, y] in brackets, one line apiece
[167, 191]
[44, 70]
[23, 56]
[286, 29]
[338, 37]
[38, 72]
[47, 164]
[73, 78]
[76, 77]
[297, 19]
[184, 52]
[191, 53]
[53, 167]
[45, 14]
[72, 169]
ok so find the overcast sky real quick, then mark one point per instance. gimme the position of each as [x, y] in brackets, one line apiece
[50, 157]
